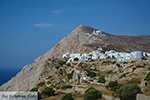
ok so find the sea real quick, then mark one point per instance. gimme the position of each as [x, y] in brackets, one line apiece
[7, 73]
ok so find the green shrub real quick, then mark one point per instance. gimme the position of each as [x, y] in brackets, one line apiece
[148, 77]
[60, 62]
[68, 64]
[91, 59]
[118, 65]
[57, 66]
[95, 69]
[148, 68]
[128, 91]
[139, 66]
[76, 59]
[61, 72]
[41, 83]
[108, 57]
[69, 76]
[134, 80]
[113, 62]
[123, 75]
[104, 50]
[39, 95]
[91, 80]
[48, 91]
[49, 77]
[66, 86]
[85, 81]
[101, 79]
[90, 73]
[109, 72]
[48, 82]
[111, 84]
[144, 58]
[34, 89]
[92, 94]
[67, 96]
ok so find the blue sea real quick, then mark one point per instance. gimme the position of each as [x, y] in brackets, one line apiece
[7, 73]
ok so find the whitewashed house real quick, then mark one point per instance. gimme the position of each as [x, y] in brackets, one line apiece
[148, 54]
[86, 78]
[120, 56]
[66, 55]
[98, 32]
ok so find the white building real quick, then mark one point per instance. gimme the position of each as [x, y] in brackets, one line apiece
[98, 32]
[86, 78]
[120, 56]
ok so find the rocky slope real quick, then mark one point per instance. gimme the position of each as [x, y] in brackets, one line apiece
[78, 41]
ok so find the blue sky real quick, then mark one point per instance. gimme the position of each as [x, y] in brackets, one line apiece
[29, 28]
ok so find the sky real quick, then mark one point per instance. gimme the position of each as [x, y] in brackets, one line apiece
[29, 28]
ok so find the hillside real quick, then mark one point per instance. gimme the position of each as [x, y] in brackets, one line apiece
[81, 40]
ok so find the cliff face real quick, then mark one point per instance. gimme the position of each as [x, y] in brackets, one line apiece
[78, 41]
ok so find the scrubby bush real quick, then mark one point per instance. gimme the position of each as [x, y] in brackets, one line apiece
[128, 91]
[69, 76]
[109, 72]
[61, 72]
[92, 94]
[66, 86]
[57, 66]
[39, 95]
[67, 96]
[118, 65]
[104, 50]
[112, 84]
[34, 89]
[101, 79]
[76, 59]
[123, 75]
[60, 62]
[49, 77]
[138, 66]
[48, 82]
[113, 56]
[113, 62]
[144, 58]
[48, 91]
[41, 83]
[148, 77]
[90, 73]
[68, 64]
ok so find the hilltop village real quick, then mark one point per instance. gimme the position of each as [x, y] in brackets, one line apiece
[101, 54]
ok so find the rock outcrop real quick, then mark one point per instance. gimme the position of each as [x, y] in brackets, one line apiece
[142, 97]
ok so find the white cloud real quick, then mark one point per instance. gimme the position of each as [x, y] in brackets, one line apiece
[43, 25]
[56, 12]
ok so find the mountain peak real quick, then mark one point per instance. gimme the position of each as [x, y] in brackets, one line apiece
[84, 28]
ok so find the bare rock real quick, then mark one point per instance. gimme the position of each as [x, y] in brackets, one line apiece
[142, 97]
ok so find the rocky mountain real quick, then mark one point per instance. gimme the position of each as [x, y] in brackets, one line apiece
[80, 40]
